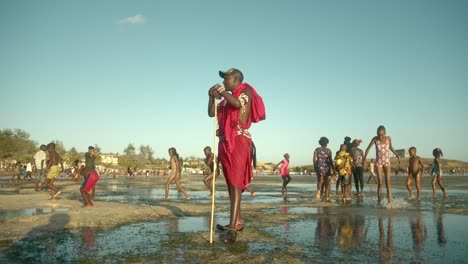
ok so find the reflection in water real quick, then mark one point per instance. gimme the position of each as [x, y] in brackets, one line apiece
[88, 238]
[386, 247]
[360, 232]
[439, 219]
[325, 231]
[174, 223]
[418, 233]
[43, 239]
[284, 211]
[345, 233]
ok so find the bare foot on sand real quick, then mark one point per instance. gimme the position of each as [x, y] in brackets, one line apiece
[56, 194]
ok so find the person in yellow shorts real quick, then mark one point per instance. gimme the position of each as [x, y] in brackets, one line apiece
[53, 169]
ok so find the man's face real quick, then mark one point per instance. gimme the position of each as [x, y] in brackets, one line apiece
[207, 152]
[230, 82]
[412, 152]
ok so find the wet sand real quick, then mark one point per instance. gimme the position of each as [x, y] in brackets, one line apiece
[132, 223]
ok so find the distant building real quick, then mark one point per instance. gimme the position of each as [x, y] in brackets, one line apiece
[403, 153]
[109, 159]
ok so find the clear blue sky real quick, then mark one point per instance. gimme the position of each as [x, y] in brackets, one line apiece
[115, 72]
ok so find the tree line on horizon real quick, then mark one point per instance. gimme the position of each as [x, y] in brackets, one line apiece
[16, 144]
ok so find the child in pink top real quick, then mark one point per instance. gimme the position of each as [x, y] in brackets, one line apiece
[284, 172]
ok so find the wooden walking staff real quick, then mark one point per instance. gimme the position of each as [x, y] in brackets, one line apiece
[215, 165]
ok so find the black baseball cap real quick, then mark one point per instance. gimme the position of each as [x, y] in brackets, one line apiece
[237, 73]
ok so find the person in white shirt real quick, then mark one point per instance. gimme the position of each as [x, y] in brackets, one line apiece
[28, 170]
[40, 161]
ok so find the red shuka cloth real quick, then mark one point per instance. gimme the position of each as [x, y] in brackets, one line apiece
[234, 150]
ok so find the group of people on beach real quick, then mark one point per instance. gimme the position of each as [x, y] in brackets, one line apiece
[47, 169]
[350, 161]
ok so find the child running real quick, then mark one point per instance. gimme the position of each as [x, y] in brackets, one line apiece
[415, 169]
[343, 165]
[383, 146]
[284, 172]
[53, 170]
[437, 172]
[209, 161]
[29, 170]
[174, 176]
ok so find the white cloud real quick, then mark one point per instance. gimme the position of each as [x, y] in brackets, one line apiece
[134, 20]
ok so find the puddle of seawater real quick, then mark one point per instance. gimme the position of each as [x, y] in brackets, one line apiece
[356, 236]
[152, 195]
[191, 224]
[95, 244]
[27, 212]
[148, 192]
[88, 244]
[293, 210]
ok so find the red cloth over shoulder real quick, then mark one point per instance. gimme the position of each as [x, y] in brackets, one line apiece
[228, 119]
[257, 113]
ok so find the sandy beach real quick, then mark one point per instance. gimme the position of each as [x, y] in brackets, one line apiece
[132, 223]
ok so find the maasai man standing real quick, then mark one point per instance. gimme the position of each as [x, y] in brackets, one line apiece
[241, 105]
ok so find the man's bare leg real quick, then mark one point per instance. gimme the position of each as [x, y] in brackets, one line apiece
[236, 198]
[86, 198]
[93, 193]
[37, 185]
[50, 183]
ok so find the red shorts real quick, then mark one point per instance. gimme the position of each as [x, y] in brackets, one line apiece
[90, 181]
